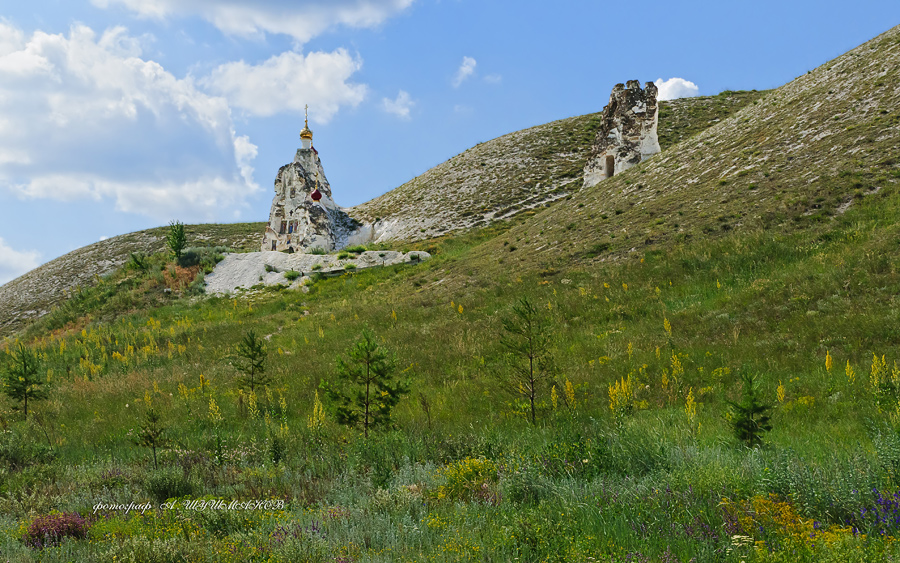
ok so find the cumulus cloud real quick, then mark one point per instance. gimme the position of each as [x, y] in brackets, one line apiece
[11, 39]
[14, 263]
[300, 19]
[465, 70]
[289, 81]
[675, 88]
[399, 106]
[85, 117]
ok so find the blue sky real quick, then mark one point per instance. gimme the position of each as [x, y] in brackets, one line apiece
[118, 115]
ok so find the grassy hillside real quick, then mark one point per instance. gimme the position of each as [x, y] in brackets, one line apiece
[765, 245]
[36, 293]
[528, 169]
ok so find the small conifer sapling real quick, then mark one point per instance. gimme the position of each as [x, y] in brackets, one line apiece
[176, 239]
[251, 362]
[749, 418]
[365, 392]
[22, 382]
[152, 434]
[528, 340]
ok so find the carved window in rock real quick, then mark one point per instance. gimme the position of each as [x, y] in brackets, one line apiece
[291, 228]
[283, 227]
[273, 244]
[610, 166]
[293, 192]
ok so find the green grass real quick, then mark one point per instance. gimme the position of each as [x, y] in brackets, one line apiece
[654, 284]
[576, 484]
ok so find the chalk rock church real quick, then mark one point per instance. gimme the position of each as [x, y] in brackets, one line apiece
[304, 215]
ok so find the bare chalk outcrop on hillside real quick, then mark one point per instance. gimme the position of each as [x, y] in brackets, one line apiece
[245, 271]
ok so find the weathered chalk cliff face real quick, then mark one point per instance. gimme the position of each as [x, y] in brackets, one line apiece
[627, 134]
[297, 221]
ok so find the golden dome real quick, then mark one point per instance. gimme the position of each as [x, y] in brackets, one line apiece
[306, 133]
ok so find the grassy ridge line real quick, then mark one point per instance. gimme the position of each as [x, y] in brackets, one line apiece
[34, 294]
[523, 170]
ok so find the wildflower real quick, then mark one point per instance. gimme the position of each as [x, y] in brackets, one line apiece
[553, 397]
[690, 407]
[667, 326]
[316, 420]
[215, 415]
[570, 394]
[252, 405]
[780, 391]
[851, 375]
[828, 361]
[621, 397]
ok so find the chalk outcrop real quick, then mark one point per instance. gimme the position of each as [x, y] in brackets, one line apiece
[244, 271]
[627, 134]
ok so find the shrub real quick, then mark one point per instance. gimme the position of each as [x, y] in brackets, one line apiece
[317, 267]
[468, 479]
[525, 486]
[342, 255]
[17, 452]
[167, 484]
[350, 267]
[317, 250]
[270, 268]
[49, 530]
[292, 275]
[204, 256]
[358, 249]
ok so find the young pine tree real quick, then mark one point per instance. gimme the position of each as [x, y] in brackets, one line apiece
[749, 418]
[22, 382]
[528, 343]
[251, 362]
[152, 434]
[365, 391]
[176, 239]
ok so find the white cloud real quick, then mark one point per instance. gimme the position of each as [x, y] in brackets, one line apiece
[493, 79]
[84, 117]
[675, 88]
[301, 19]
[14, 263]
[399, 106]
[465, 70]
[288, 81]
[11, 39]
